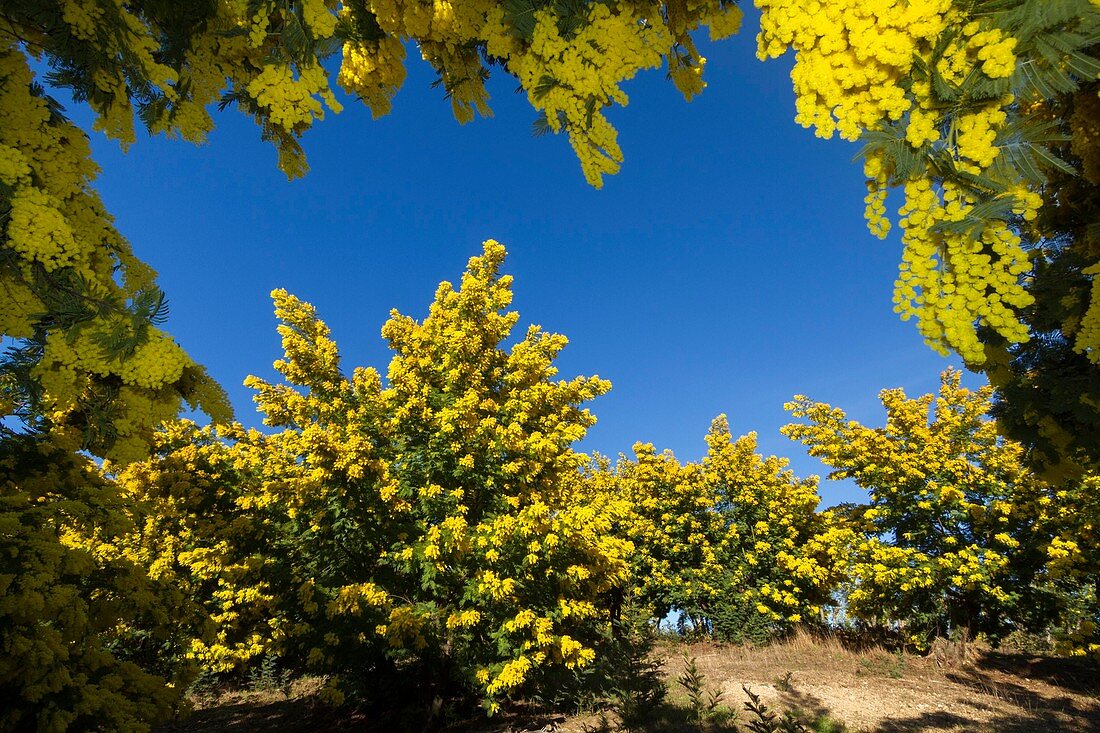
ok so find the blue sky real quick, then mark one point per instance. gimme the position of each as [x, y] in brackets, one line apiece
[725, 269]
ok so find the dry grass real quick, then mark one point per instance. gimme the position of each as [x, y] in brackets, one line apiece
[297, 689]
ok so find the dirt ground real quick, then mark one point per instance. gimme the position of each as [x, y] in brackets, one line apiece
[879, 692]
[830, 687]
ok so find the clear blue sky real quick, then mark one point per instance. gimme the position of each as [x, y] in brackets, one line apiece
[725, 269]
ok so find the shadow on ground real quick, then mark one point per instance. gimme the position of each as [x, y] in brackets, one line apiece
[288, 716]
[1069, 674]
[1037, 722]
[308, 715]
[1036, 713]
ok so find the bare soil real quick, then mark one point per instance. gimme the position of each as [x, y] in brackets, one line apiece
[880, 692]
[829, 686]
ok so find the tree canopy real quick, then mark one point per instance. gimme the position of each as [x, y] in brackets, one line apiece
[965, 106]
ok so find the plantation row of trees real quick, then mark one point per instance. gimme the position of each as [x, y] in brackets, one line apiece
[438, 526]
[439, 518]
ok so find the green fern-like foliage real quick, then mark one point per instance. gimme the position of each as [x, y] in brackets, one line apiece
[1048, 389]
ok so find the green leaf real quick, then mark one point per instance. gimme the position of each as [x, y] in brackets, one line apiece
[295, 38]
[541, 125]
[520, 15]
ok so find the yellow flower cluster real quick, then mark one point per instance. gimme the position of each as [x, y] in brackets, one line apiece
[975, 133]
[82, 16]
[461, 72]
[570, 70]
[470, 531]
[1081, 641]
[673, 532]
[582, 55]
[38, 232]
[199, 537]
[1087, 338]
[955, 497]
[47, 167]
[511, 675]
[796, 555]
[733, 535]
[290, 101]
[155, 363]
[350, 598]
[133, 41]
[463, 619]
[994, 50]
[286, 92]
[586, 72]
[1073, 556]
[952, 281]
[374, 72]
[850, 56]
[877, 177]
[58, 224]
[319, 17]
[69, 592]
[888, 573]
[863, 66]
